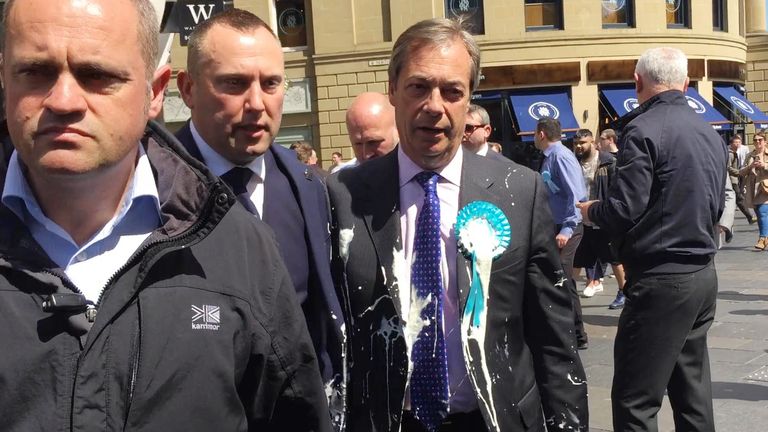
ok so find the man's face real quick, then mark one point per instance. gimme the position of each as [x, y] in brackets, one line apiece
[735, 143]
[431, 97]
[583, 147]
[336, 159]
[236, 93]
[77, 94]
[605, 144]
[475, 133]
[372, 136]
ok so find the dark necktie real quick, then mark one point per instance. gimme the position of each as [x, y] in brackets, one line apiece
[237, 178]
[429, 380]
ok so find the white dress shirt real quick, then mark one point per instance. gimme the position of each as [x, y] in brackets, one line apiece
[220, 165]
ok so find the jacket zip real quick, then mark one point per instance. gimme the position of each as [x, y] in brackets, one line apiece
[171, 243]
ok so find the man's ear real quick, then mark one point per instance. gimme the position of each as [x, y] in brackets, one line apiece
[638, 83]
[159, 83]
[184, 83]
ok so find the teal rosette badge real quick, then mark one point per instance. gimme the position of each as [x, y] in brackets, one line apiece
[483, 234]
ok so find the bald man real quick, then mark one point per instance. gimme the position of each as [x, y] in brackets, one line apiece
[371, 127]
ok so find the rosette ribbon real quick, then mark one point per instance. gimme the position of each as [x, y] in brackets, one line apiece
[482, 233]
[547, 177]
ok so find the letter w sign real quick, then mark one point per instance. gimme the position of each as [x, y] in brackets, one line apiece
[190, 13]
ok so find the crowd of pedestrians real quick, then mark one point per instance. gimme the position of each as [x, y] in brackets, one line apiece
[214, 280]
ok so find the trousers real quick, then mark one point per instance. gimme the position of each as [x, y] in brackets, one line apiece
[661, 344]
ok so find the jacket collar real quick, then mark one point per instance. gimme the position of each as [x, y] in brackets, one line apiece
[675, 97]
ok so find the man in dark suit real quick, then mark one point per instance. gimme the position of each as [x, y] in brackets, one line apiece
[477, 130]
[416, 360]
[234, 85]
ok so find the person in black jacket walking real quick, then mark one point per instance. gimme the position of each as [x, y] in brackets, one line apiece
[662, 212]
[135, 293]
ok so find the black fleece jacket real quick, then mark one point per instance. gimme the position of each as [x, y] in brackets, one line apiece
[199, 331]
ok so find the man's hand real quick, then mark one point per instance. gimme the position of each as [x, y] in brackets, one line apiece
[584, 207]
[561, 239]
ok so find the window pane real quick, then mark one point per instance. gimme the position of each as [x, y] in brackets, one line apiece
[291, 23]
[720, 15]
[543, 13]
[677, 13]
[471, 11]
[617, 12]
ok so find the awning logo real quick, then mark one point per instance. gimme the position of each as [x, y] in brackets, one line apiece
[206, 317]
[696, 105]
[742, 105]
[630, 104]
[538, 110]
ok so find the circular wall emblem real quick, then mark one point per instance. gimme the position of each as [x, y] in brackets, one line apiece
[696, 105]
[630, 104]
[463, 7]
[613, 5]
[673, 5]
[538, 110]
[291, 21]
[744, 106]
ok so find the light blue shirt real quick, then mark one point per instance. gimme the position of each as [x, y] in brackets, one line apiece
[90, 266]
[564, 180]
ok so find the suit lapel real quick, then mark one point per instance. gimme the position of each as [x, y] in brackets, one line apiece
[476, 181]
[382, 217]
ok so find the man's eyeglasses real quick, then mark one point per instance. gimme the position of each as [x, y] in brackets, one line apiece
[758, 139]
[470, 128]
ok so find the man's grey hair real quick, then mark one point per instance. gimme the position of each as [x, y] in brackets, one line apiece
[148, 32]
[475, 109]
[664, 66]
[436, 32]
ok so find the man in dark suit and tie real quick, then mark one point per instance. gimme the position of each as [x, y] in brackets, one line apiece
[234, 85]
[477, 130]
[423, 352]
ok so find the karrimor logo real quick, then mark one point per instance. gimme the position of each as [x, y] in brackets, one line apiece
[206, 317]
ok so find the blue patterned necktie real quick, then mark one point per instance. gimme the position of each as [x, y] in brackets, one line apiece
[237, 178]
[429, 380]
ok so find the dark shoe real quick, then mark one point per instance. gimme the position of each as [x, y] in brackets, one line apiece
[582, 344]
[728, 236]
[618, 303]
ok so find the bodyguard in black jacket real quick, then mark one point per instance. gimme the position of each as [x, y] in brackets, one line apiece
[662, 210]
[197, 326]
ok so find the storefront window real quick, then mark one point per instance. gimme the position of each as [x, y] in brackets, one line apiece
[291, 23]
[720, 15]
[618, 13]
[543, 15]
[678, 13]
[469, 11]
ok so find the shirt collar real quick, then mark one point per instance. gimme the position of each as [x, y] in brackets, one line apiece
[551, 147]
[407, 169]
[217, 163]
[19, 198]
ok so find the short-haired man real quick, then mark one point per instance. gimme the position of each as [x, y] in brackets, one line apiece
[133, 294]
[594, 252]
[662, 213]
[503, 361]
[737, 157]
[608, 140]
[336, 160]
[477, 130]
[235, 85]
[562, 176]
[371, 128]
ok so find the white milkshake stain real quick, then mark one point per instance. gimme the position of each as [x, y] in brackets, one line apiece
[478, 335]
[345, 238]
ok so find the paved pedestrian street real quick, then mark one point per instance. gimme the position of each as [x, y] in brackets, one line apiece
[738, 341]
